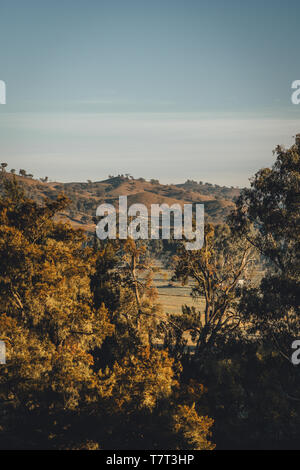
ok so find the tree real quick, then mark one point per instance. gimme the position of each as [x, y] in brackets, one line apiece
[3, 166]
[22, 172]
[123, 281]
[254, 371]
[146, 407]
[59, 388]
[47, 318]
[268, 216]
[215, 271]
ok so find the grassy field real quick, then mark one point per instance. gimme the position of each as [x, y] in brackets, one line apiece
[172, 295]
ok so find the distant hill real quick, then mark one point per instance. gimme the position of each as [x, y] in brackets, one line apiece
[85, 197]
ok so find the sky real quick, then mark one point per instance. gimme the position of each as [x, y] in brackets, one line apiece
[168, 89]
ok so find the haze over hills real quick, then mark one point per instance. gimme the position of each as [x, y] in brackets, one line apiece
[86, 196]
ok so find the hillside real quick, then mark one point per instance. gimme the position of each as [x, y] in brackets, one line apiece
[85, 197]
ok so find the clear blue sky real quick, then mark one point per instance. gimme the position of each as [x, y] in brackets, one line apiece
[168, 89]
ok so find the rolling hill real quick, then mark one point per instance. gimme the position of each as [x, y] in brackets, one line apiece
[86, 196]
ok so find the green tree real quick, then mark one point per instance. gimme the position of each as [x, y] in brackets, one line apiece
[268, 216]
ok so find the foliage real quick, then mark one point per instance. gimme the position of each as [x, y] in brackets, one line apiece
[64, 384]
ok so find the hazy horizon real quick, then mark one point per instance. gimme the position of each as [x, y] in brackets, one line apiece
[167, 90]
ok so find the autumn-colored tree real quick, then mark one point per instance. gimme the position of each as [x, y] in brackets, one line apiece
[47, 315]
[58, 388]
[123, 280]
[147, 407]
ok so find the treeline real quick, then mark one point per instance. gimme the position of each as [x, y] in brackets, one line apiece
[92, 361]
